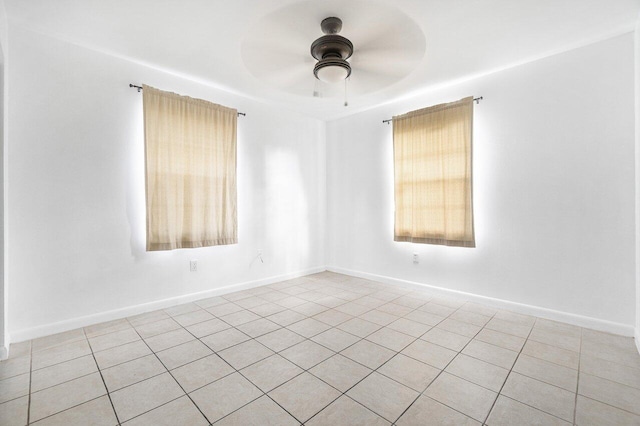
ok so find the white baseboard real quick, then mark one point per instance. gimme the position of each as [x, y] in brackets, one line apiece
[579, 320]
[73, 323]
[637, 337]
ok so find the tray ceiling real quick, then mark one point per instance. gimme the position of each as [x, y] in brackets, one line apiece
[205, 39]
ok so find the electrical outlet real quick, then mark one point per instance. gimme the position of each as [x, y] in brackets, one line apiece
[416, 258]
[193, 266]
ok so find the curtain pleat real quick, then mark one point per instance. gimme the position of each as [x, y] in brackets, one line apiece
[190, 159]
[433, 175]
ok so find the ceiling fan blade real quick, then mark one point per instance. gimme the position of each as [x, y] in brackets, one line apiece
[376, 27]
[285, 76]
[262, 49]
[362, 80]
[388, 45]
[385, 62]
[297, 79]
[277, 52]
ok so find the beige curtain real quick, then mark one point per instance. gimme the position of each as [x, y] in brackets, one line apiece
[432, 167]
[190, 150]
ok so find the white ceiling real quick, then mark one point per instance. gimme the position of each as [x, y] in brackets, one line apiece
[203, 39]
[388, 46]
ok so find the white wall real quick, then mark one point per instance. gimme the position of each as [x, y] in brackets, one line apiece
[76, 205]
[553, 188]
[637, 115]
[4, 45]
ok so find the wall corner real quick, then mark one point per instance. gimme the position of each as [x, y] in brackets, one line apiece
[637, 175]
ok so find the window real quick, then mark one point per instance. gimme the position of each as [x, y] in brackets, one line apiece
[432, 168]
[190, 159]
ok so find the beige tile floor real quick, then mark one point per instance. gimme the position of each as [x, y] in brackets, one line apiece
[326, 349]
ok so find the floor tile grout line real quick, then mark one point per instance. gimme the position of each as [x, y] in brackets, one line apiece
[70, 408]
[175, 380]
[390, 378]
[72, 340]
[95, 336]
[359, 337]
[275, 353]
[536, 339]
[207, 384]
[475, 357]
[351, 398]
[214, 352]
[307, 370]
[612, 406]
[17, 397]
[509, 374]
[372, 370]
[304, 370]
[438, 375]
[361, 295]
[532, 407]
[61, 362]
[282, 326]
[601, 359]
[474, 383]
[267, 393]
[103, 381]
[534, 378]
[173, 318]
[75, 358]
[441, 370]
[139, 381]
[542, 359]
[154, 408]
[17, 374]
[575, 405]
[66, 381]
[231, 326]
[363, 338]
[123, 362]
[556, 334]
[231, 366]
[30, 377]
[243, 405]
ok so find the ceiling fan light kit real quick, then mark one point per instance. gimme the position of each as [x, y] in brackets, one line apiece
[288, 54]
[332, 51]
[332, 70]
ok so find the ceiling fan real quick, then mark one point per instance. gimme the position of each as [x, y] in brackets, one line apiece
[380, 45]
[332, 51]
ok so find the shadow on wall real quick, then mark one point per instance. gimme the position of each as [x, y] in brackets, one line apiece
[135, 191]
[286, 209]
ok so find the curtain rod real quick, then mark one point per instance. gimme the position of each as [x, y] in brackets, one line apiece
[140, 89]
[391, 119]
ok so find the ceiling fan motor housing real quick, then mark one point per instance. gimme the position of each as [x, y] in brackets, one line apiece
[332, 50]
[334, 45]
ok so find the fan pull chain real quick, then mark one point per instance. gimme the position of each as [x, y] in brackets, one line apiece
[316, 91]
[346, 101]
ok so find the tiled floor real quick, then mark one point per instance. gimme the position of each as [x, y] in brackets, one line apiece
[326, 349]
